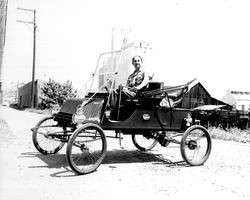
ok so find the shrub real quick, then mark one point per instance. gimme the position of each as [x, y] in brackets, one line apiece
[55, 94]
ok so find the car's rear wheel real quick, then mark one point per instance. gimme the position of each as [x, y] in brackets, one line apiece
[144, 142]
[48, 137]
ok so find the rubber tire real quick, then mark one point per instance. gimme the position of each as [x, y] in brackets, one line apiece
[183, 144]
[140, 147]
[71, 163]
[36, 143]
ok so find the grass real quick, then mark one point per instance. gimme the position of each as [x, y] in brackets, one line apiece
[232, 134]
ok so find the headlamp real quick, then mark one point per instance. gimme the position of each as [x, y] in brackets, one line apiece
[78, 118]
[146, 117]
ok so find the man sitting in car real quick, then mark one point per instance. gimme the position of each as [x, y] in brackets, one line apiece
[135, 82]
[138, 79]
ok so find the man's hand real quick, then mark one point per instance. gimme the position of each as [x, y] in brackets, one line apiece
[120, 87]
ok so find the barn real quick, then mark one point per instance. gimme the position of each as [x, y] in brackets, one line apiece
[212, 111]
[199, 96]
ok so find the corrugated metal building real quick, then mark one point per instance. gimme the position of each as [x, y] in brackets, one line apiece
[24, 94]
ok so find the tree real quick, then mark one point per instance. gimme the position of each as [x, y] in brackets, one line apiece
[55, 94]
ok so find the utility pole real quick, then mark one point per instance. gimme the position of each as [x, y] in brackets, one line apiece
[34, 52]
[3, 22]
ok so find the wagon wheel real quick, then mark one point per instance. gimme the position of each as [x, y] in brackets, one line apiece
[47, 136]
[86, 148]
[196, 145]
[143, 142]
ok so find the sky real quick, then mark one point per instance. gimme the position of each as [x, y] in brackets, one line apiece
[204, 39]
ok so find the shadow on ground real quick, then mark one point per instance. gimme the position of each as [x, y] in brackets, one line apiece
[113, 157]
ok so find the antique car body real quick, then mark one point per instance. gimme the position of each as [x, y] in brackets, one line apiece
[81, 123]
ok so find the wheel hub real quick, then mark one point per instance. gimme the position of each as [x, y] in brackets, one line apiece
[192, 144]
[84, 148]
[47, 135]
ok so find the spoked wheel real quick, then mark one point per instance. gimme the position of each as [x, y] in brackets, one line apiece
[196, 145]
[86, 148]
[47, 136]
[143, 142]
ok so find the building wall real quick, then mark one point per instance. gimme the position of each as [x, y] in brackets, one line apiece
[239, 99]
[24, 94]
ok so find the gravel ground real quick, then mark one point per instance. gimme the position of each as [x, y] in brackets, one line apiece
[125, 173]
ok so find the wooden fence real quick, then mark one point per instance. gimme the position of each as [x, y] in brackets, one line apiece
[223, 118]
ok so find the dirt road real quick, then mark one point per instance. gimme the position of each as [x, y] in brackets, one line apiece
[125, 173]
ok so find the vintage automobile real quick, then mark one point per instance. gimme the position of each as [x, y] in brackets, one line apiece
[82, 122]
